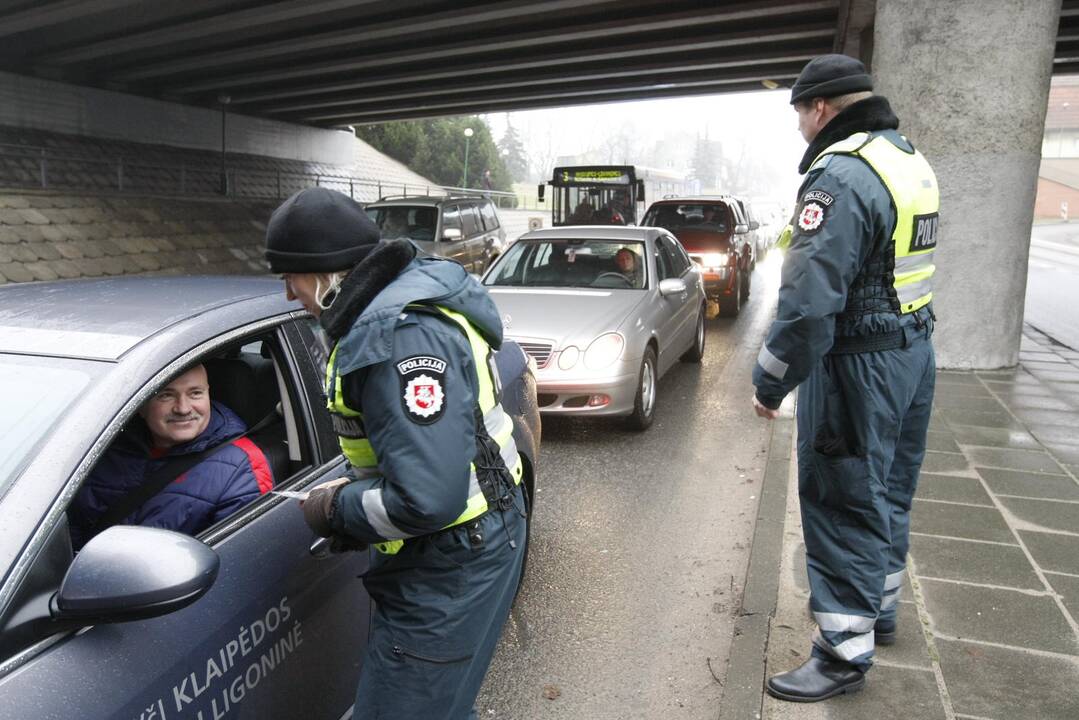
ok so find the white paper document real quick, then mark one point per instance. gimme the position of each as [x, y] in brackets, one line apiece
[294, 494]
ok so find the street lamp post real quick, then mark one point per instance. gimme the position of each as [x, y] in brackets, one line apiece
[468, 136]
[224, 100]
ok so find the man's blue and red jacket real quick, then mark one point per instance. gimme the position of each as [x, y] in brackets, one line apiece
[210, 491]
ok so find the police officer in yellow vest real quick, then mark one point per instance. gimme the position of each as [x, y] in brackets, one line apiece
[434, 479]
[852, 332]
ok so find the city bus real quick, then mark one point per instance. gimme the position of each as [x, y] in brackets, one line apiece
[606, 194]
[594, 195]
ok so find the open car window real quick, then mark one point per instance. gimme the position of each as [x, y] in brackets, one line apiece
[215, 439]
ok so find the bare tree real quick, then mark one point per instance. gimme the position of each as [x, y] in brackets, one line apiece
[542, 153]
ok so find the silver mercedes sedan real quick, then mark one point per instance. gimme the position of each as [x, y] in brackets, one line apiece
[604, 312]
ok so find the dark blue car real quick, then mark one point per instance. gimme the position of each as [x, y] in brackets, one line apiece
[252, 618]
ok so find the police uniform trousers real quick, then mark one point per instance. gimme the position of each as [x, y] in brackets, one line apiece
[441, 602]
[862, 424]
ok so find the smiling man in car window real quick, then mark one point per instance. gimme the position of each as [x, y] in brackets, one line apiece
[180, 420]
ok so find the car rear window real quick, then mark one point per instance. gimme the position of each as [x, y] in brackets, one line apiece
[714, 217]
[36, 392]
[415, 222]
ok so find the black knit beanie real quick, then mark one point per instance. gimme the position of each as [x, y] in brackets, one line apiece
[318, 230]
[830, 75]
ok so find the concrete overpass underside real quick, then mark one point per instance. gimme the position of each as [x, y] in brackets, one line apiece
[340, 62]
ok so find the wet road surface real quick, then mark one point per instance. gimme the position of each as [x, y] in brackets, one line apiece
[640, 543]
[1053, 282]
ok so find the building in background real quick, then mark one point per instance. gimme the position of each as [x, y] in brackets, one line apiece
[1058, 178]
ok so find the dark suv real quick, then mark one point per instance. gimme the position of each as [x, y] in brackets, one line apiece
[717, 236]
[462, 228]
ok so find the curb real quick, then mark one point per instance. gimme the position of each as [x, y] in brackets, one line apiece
[744, 688]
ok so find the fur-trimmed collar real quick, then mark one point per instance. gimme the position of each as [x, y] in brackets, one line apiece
[363, 283]
[873, 113]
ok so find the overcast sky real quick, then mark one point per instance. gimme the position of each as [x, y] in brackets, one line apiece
[761, 122]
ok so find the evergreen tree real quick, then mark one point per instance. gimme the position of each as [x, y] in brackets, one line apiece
[435, 148]
[514, 156]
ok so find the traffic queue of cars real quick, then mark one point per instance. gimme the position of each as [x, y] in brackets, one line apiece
[114, 631]
[606, 310]
[594, 316]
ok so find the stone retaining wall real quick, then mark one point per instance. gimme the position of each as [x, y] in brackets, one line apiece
[49, 236]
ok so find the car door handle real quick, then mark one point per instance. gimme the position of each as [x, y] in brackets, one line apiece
[320, 548]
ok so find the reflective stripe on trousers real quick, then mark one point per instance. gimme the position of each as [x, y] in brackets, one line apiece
[862, 424]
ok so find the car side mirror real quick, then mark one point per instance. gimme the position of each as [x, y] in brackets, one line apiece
[672, 286]
[451, 234]
[540, 189]
[132, 573]
[753, 224]
[741, 229]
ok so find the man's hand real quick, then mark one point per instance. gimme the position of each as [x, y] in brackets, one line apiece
[763, 411]
[318, 507]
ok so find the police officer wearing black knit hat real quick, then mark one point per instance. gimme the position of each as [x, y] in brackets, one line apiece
[852, 333]
[433, 484]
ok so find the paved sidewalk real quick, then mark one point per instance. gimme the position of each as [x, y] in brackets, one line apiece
[988, 620]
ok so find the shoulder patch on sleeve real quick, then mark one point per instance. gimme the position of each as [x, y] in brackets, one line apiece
[811, 217]
[423, 387]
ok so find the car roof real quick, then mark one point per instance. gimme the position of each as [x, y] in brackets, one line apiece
[424, 200]
[101, 319]
[598, 232]
[696, 199]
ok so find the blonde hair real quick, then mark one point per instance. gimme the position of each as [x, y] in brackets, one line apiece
[333, 285]
[841, 102]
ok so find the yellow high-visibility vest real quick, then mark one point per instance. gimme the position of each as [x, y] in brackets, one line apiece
[348, 424]
[914, 191]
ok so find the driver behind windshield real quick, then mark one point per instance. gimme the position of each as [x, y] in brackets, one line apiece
[395, 223]
[627, 263]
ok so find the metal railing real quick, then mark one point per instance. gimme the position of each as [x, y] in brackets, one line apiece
[40, 168]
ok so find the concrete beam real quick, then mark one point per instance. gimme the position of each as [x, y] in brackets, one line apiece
[855, 33]
[44, 14]
[246, 21]
[614, 82]
[527, 13]
[47, 105]
[719, 50]
[970, 82]
[647, 89]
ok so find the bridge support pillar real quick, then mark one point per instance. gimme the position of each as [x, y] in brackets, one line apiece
[970, 81]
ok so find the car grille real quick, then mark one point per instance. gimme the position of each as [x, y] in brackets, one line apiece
[540, 352]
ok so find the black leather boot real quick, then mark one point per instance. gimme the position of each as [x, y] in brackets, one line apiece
[816, 680]
[884, 632]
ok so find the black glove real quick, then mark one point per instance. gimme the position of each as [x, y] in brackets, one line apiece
[345, 543]
[318, 508]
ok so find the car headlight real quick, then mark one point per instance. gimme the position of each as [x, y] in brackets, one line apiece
[603, 351]
[568, 357]
[715, 260]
